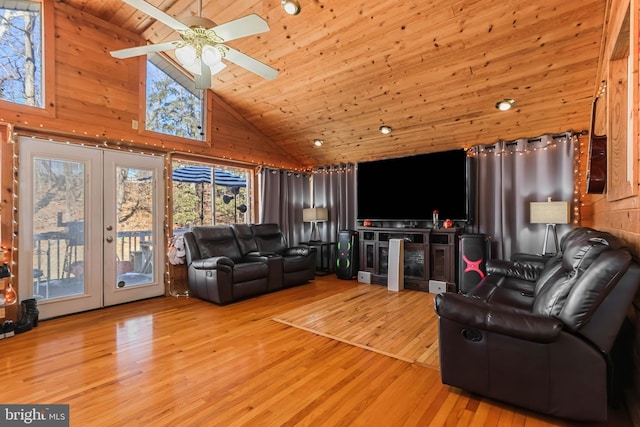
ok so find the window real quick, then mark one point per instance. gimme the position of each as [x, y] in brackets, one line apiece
[21, 71]
[174, 107]
[206, 194]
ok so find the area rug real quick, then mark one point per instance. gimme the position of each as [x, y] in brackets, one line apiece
[401, 324]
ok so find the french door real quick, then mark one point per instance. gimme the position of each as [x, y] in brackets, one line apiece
[90, 226]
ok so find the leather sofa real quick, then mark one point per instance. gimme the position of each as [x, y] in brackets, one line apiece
[540, 335]
[227, 263]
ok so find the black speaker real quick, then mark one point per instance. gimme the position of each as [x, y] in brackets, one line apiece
[348, 258]
[474, 250]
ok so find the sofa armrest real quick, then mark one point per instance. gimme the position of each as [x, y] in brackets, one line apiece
[299, 251]
[213, 263]
[519, 270]
[500, 319]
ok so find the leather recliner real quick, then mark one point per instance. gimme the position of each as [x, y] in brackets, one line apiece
[298, 262]
[249, 249]
[540, 336]
[228, 263]
[217, 270]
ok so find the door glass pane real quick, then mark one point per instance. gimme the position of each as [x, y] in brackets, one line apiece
[58, 228]
[134, 213]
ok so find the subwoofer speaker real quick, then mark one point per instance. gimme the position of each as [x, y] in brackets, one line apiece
[474, 250]
[348, 258]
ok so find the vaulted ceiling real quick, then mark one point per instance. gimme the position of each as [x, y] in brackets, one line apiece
[433, 70]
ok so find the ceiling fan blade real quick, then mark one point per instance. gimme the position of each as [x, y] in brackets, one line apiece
[241, 27]
[142, 50]
[203, 80]
[157, 14]
[250, 64]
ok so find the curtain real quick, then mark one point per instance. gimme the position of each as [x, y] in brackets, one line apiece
[283, 195]
[510, 175]
[334, 188]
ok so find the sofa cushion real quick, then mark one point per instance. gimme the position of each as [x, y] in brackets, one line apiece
[247, 271]
[244, 235]
[577, 258]
[217, 240]
[269, 238]
[593, 287]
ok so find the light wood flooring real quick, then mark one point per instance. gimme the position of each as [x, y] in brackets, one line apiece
[186, 362]
[398, 324]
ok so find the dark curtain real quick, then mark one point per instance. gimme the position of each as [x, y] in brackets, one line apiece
[283, 195]
[510, 175]
[334, 188]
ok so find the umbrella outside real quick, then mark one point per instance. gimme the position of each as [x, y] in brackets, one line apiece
[202, 175]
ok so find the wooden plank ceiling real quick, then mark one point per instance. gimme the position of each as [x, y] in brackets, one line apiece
[431, 69]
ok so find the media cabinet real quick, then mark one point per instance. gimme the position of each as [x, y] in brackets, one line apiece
[429, 254]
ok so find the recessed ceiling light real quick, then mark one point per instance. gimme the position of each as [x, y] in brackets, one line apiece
[292, 7]
[385, 129]
[318, 142]
[505, 104]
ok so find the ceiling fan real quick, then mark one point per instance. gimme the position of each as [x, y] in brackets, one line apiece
[201, 48]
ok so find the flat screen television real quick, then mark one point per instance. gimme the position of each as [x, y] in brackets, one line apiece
[411, 188]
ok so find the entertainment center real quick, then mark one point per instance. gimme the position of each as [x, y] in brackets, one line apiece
[429, 254]
[399, 198]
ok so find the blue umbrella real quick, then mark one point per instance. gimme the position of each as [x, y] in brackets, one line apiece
[202, 174]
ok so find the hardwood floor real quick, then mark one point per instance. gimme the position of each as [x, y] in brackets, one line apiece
[186, 362]
[397, 324]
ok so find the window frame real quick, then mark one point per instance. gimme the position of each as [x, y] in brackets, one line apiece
[251, 199]
[47, 28]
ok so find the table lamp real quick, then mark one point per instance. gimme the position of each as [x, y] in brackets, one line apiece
[551, 214]
[314, 215]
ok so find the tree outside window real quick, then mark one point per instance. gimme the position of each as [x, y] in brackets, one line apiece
[174, 107]
[21, 52]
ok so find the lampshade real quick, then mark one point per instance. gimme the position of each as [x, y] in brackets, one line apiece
[315, 214]
[550, 212]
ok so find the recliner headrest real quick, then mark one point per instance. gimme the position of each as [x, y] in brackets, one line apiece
[580, 254]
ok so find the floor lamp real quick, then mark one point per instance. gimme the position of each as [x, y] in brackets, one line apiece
[551, 214]
[315, 215]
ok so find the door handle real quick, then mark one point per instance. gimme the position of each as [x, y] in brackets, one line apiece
[109, 239]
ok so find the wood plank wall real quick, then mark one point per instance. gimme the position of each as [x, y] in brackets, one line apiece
[97, 96]
[618, 209]
[93, 98]
[609, 211]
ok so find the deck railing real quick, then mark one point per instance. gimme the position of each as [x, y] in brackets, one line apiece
[56, 256]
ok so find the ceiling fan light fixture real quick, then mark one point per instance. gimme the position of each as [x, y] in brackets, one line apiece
[291, 7]
[194, 68]
[385, 130]
[505, 104]
[187, 55]
[217, 67]
[211, 55]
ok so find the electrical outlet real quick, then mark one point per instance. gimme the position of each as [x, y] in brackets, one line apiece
[134, 124]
